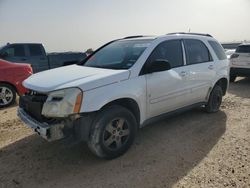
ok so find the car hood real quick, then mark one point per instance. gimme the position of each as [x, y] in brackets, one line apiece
[86, 78]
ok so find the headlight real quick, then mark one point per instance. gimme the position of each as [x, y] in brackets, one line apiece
[62, 103]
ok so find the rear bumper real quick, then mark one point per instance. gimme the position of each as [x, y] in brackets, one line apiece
[49, 132]
[240, 71]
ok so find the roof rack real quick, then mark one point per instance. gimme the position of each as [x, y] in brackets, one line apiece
[135, 36]
[201, 34]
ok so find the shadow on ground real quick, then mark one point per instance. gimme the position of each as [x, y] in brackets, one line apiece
[162, 154]
[240, 87]
[11, 106]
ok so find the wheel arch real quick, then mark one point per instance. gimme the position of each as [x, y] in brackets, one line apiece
[223, 83]
[12, 85]
[129, 104]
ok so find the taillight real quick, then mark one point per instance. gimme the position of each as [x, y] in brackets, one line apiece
[234, 56]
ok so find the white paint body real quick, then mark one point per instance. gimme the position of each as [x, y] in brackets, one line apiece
[242, 61]
[155, 93]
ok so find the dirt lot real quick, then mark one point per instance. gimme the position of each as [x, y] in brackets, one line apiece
[194, 149]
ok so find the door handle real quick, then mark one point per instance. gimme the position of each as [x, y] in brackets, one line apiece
[211, 67]
[23, 59]
[183, 73]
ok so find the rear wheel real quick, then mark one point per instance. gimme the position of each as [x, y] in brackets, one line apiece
[215, 100]
[114, 130]
[7, 95]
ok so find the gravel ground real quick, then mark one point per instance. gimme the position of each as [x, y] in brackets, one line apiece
[193, 149]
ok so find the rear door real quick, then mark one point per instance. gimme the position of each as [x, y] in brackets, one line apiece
[37, 57]
[200, 69]
[15, 53]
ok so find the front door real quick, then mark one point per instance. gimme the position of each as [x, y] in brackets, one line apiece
[167, 90]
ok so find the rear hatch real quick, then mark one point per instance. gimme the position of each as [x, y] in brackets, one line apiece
[241, 57]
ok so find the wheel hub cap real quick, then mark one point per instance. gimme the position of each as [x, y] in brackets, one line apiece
[6, 96]
[2, 95]
[116, 134]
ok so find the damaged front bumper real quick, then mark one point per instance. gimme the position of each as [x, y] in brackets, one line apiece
[50, 132]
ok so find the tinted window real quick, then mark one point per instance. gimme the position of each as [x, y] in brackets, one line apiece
[243, 49]
[196, 52]
[35, 50]
[170, 51]
[219, 51]
[15, 51]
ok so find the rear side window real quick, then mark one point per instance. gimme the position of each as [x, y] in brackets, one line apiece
[169, 50]
[243, 49]
[15, 51]
[35, 50]
[196, 52]
[219, 51]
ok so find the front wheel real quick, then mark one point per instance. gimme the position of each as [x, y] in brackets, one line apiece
[7, 95]
[113, 132]
[215, 100]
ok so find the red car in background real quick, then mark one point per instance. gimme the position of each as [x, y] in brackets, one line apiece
[11, 77]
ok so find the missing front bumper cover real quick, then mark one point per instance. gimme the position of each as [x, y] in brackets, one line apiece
[49, 132]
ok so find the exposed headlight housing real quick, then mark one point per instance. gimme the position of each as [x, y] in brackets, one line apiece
[63, 103]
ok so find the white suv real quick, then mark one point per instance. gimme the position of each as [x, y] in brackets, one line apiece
[240, 62]
[123, 86]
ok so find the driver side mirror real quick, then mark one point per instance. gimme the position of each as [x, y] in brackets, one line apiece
[159, 65]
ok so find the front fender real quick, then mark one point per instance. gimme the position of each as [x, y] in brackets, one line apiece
[134, 89]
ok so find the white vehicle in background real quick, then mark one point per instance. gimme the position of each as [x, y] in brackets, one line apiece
[240, 62]
[125, 85]
[229, 52]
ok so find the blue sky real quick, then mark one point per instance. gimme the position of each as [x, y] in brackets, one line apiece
[63, 25]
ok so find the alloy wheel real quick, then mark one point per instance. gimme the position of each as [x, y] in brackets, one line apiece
[6, 96]
[116, 134]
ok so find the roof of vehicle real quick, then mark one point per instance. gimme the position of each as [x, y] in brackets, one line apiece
[245, 44]
[23, 43]
[183, 33]
[18, 44]
[137, 37]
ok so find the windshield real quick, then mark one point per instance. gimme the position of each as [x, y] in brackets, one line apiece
[118, 55]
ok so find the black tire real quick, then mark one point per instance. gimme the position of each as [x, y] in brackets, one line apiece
[105, 144]
[232, 78]
[7, 95]
[215, 100]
